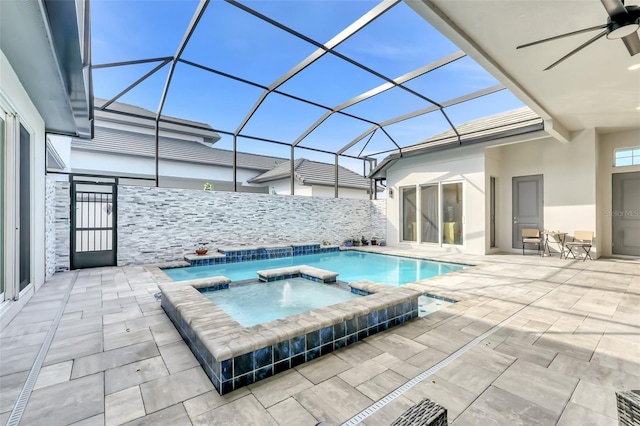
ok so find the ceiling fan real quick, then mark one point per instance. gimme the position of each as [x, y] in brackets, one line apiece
[623, 23]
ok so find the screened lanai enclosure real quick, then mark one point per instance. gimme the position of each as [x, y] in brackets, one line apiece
[340, 82]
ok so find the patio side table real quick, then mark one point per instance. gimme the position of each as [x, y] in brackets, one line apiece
[557, 237]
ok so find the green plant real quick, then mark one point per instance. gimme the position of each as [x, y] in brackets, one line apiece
[208, 187]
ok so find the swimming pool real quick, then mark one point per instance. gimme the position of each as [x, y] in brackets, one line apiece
[351, 265]
[253, 304]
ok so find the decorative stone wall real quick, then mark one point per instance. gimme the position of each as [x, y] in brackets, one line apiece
[50, 228]
[379, 218]
[162, 224]
[62, 220]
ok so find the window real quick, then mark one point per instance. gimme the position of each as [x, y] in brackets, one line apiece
[429, 214]
[25, 207]
[409, 214]
[627, 157]
[452, 213]
[438, 206]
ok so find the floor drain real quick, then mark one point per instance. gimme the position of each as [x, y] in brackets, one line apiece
[25, 393]
[422, 376]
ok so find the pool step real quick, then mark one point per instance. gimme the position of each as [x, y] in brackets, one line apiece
[302, 271]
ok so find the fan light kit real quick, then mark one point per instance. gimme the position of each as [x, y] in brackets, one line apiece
[623, 23]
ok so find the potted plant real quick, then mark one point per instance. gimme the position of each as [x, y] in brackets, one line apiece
[382, 242]
[374, 241]
[356, 242]
[348, 242]
[364, 241]
[201, 249]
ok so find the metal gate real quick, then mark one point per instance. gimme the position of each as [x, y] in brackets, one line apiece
[93, 224]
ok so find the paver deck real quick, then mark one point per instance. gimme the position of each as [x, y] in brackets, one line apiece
[572, 340]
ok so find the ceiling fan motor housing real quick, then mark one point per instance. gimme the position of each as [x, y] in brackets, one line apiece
[623, 24]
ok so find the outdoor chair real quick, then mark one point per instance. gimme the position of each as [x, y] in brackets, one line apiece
[531, 236]
[581, 239]
[424, 413]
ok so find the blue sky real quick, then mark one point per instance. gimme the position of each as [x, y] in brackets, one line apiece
[232, 41]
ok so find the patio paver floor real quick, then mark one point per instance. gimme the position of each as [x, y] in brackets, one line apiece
[116, 357]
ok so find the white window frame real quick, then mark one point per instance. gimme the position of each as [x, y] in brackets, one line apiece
[439, 185]
[13, 121]
[635, 159]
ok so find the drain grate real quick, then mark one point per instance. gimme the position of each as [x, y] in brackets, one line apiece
[25, 393]
[361, 416]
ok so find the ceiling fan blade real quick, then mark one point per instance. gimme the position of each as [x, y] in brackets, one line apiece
[577, 49]
[614, 7]
[632, 41]
[586, 30]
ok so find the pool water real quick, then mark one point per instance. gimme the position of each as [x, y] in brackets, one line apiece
[253, 304]
[351, 265]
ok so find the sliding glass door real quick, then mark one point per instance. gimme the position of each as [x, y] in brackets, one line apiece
[24, 239]
[429, 214]
[440, 211]
[409, 214]
[2, 192]
[452, 213]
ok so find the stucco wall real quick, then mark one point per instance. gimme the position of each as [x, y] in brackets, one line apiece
[464, 165]
[607, 144]
[569, 183]
[161, 224]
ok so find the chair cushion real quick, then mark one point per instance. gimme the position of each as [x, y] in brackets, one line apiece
[531, 240]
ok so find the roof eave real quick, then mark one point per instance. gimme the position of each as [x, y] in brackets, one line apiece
[380, 171]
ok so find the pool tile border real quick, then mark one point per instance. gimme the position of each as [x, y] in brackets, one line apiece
[225, 255]
[234, 356]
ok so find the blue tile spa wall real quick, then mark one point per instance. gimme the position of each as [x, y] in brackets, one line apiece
[231, 374]
[249, 254]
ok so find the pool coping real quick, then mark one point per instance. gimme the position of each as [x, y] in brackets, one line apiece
[234, 356]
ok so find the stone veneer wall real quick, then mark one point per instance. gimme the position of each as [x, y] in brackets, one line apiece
[161, 224]
[379, 218]
[50, 228]
[62, 222]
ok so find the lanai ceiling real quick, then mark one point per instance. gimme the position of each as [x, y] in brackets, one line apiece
[592, 89]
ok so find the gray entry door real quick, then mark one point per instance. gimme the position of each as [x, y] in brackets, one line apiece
[527, 206]
[625, 214]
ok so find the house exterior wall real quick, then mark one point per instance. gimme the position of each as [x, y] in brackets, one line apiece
[15, 100]
[569, 182]
[569, 185]
[607, 144]
[162, 224]
[464, 165]
[329, 191]
[283, 187]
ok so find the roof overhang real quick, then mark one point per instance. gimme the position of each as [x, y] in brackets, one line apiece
[527, 133]
[47, 44]
[54, 161]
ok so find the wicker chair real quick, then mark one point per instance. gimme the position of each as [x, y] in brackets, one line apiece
[424, 413]
[628, 408]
